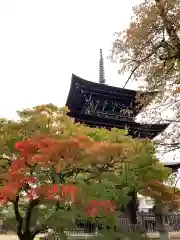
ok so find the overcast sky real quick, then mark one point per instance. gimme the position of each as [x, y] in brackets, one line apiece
[42, 42]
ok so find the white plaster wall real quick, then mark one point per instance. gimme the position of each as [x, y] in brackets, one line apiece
[145, 203]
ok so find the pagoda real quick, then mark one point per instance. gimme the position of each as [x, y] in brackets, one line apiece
[101, 105]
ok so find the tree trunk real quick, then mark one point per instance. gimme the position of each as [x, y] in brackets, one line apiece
[26, 237]
[164, 235]
[161, 216]
[62, 234]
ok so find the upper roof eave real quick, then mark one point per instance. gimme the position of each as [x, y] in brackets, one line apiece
[108, 90]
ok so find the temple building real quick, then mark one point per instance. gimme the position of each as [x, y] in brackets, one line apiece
[101, 105]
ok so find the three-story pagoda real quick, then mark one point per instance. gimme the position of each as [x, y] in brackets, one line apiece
[101, 105]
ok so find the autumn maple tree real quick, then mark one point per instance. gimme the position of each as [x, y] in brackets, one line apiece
[54, 171]
[22, 179]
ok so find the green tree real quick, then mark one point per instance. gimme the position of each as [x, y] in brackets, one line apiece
[104, 166]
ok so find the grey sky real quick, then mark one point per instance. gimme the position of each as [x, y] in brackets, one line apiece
[44, 41]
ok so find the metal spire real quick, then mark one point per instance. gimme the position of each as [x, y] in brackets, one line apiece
[101, 68]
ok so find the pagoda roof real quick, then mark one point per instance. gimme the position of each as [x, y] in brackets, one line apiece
[132, 100]
[136, 130]
[173, 165]
[99, 105]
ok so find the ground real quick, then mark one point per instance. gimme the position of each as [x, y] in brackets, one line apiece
[9, 237]
[153, 236]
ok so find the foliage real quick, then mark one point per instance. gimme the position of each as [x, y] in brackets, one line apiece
[149, 48]
[53, 170]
